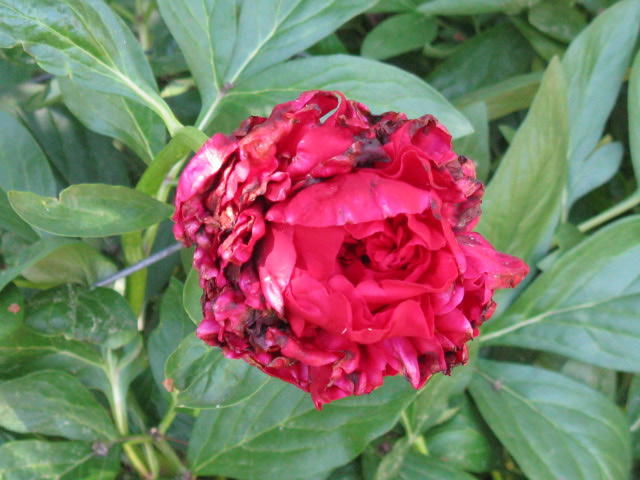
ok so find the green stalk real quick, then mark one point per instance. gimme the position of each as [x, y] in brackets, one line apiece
[627, 204]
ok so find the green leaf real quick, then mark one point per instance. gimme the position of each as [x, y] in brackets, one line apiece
[594, 65]
[31, 256]
[11, 309]
[474, 7]
[53, 403]
[399, 34]
[476, 145]
[544, 45]
[465, 442]
[191, 297]
[553, 426]
[508, 96]
[279, 435]
[416, 466]
[524, 224]
[557, 19]
[23, 165]
[633, 414]
[80, 156]
[30, 459]
[24, 351]
[597, 169]
[100, 315]
[85, 40]
[185, 140]
[205, 378]
[174, 325]
[32, 172]
[387, 6]
[224, 42]
[634, 116]
[90, 210]
[486, 59]
[431, 406]
[74, 263]
[379, 86]
[585, 306]
[133, 124]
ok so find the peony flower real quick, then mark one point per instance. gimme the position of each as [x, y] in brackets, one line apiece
[336, 247]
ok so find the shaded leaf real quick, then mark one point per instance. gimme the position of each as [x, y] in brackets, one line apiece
[557, 19]
[524, 224]
[30, 459]
[191, 297]
[53, 403]
[31, 256]
[174, 325]
[553, 426]
[486, 59]
[90, 210]
[379, 86]
[476, 145]
[99, 315]
[544, 45]
[508, 96]
[585, 306]
[205, 378]
[634, 116]
[279, 435]
[420, 467]
[399, 34]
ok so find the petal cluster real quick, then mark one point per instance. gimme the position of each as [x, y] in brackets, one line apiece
[336, 247]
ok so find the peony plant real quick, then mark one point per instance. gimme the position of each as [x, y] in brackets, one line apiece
[301, 240]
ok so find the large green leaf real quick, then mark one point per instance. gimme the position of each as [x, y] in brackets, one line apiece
[379, 86]
[553, 426]
[31, 459]
[205, 378]
[495, 55]
[279, 435]
[191, 297]
[174, 325]
[421, 467]
[519, 216]
[597, 169]
[114, 116]
[24, 351]
[399, 34]
[474, 7]
[557, 19]
[586, 306]
[595, 65]
[99, 315]
[224, 42]
[85, 40]
[11, 309]
[90, 210]
[53, 403]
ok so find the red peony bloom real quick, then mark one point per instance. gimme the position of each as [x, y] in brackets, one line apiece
[335, 247]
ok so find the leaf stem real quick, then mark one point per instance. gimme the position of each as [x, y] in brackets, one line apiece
[415, 440]
[169, 416]
[627, 204]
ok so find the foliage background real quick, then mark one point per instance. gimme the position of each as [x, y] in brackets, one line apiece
[102, 102]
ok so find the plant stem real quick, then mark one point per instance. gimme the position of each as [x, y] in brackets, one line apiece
[609, 214]
[117, 399]
[169, 416]
[416, 440]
